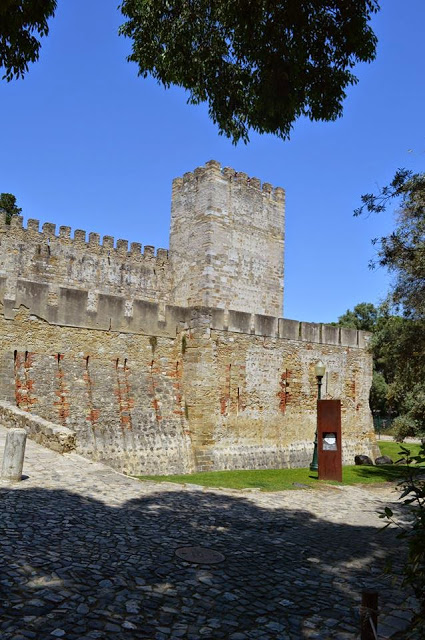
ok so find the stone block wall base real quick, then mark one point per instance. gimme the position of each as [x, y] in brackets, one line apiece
[204, 459]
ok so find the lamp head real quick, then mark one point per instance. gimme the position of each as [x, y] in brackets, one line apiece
[319, 369]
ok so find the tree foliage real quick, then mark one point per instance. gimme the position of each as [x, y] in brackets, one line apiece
[363, 317]
[8, 206]
[403, 251]
[22, 22]
[258, 65]
[398, 346]
[398, 343]
[412, 531]
[399, 349]
[366, 317]
[398, 384]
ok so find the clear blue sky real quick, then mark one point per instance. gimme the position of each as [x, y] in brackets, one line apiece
[86, 143]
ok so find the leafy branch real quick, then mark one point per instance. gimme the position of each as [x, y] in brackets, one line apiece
[413, 532]
[377, 203]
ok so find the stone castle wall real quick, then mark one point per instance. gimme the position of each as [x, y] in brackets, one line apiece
[226, 251]
[119, 392]
[178, 361]
[251, 392]
[55, 260]
[208, 390]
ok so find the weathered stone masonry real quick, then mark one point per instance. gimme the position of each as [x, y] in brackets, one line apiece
[226, 241]
[167, 362]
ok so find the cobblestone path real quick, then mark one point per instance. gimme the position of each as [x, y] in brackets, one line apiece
[89, 553]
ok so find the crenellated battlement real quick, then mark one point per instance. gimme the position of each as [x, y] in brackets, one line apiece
[61, 258]
[91, 240]
[226, 249]
[213, 171]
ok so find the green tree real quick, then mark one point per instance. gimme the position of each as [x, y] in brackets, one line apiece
[8, 206]
[398, 346]
[403, 251]
[366, 317]
[363, 317]
[399, 340]
[258, 65]
[22, 22]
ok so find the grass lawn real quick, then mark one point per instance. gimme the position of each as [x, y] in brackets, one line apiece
[282, 479]
[392, 449]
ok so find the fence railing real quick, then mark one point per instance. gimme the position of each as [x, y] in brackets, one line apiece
[383, 424]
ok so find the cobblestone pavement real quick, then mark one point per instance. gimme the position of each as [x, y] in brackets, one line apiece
[88, 553]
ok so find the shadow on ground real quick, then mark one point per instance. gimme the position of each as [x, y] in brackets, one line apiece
[73, 563]
[390, 473]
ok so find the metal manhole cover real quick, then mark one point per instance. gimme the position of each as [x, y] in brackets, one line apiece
[199, 555]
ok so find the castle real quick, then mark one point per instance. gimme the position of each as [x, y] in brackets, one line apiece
[178, 360]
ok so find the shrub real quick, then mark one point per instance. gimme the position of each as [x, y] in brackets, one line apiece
[404, 427]
[413, 532]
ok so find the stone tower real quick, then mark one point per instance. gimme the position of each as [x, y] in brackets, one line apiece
[227, 241]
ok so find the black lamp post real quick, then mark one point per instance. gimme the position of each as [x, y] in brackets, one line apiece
[377, 422]
[319, 370]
